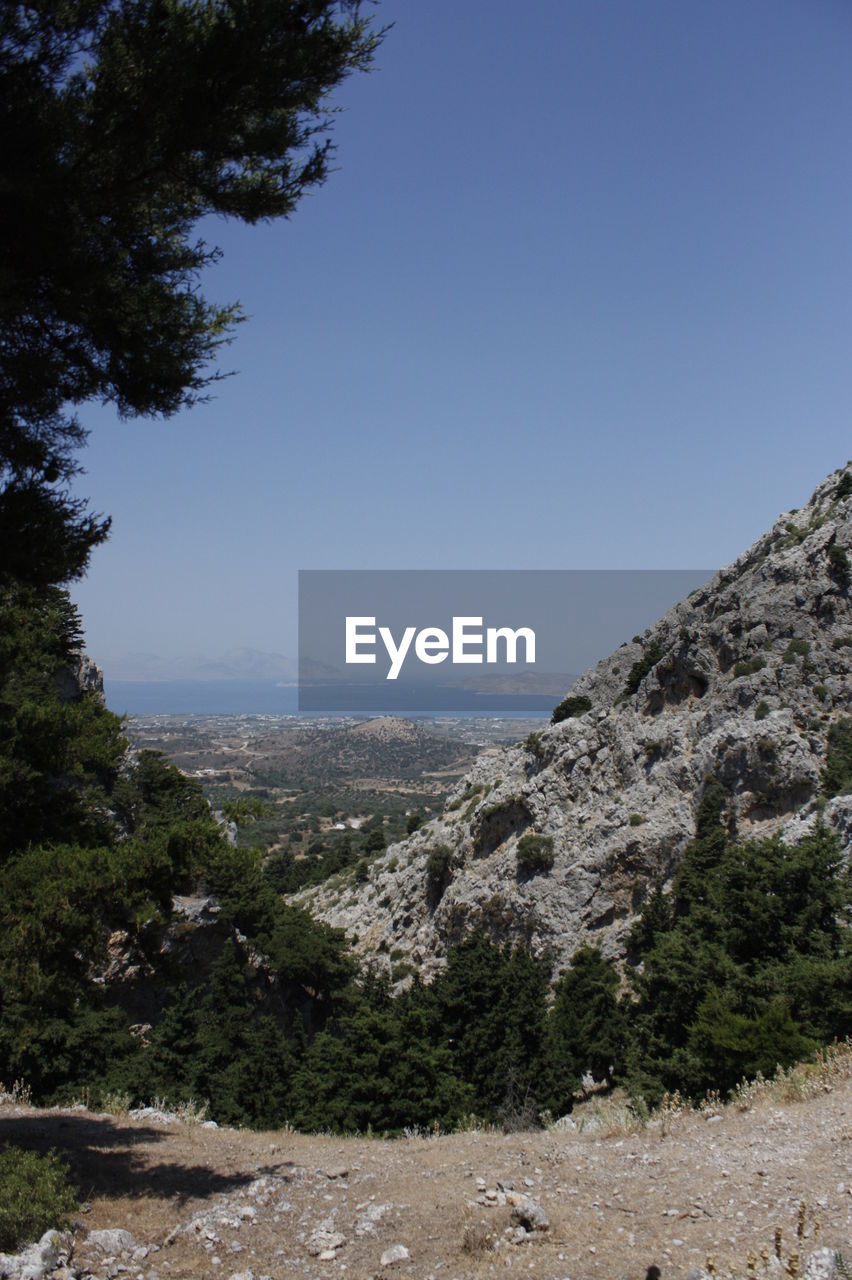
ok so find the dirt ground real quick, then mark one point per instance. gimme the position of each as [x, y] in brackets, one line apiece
[218, 1203]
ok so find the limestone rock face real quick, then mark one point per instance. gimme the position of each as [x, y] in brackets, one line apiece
[741, 681]
[82, 676]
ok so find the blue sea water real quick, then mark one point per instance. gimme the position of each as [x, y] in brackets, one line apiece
[200, 697]
[263, 697]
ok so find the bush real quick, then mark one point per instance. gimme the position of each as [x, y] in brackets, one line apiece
[837, 775]
[573, 705]
[35, 1195]
[636, 819]
[376, 841]
[761, 711]
[439, 863]
[535, 853]
[652, 655]
[749, 666]
[796, 648]
[844, 488]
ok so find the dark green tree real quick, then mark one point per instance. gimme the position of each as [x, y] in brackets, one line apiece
[489, 1008]
[122, 124]
[380, 1067]
[586, 1028]
[754, 968]
[60, 749]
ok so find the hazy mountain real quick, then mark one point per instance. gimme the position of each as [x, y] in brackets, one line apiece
[236, 664]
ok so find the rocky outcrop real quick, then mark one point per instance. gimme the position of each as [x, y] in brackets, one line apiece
[82, 676]
[741, 681]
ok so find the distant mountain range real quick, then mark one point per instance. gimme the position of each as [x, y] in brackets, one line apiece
[235, 664]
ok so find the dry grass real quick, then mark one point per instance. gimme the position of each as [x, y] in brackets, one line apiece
[801, 1081]
[752, 1185]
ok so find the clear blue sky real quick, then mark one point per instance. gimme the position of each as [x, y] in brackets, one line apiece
[579, 295]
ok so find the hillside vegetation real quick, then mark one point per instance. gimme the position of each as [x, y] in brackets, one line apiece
[141, 955]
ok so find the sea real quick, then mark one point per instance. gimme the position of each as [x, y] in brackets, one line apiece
[261, 697]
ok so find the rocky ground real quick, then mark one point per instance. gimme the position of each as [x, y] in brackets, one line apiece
[167, 1200]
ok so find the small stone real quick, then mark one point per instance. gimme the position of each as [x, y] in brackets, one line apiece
[530, 1215]
[115, 1240]
[823, 1264]
[322, 1240]
[396, 1253]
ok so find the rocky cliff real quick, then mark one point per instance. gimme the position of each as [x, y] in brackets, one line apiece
[742, 681]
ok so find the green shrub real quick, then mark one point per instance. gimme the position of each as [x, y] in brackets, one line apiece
[573, 705]
[837, 775]
[652, 655]
[844, 488]
[796, 648]
[842, 642]
[839, 563]
[748, 666]
[439, 865]
[636, 819]
[376, 841]
[820, 692]
[535, 854]
[35, 1195]
[467, 795]
[761, 711]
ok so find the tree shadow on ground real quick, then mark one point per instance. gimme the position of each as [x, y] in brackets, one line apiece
[108, 1158]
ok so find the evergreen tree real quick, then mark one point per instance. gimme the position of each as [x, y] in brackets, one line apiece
[586, 1028]
[122, 124]
[489, 1007]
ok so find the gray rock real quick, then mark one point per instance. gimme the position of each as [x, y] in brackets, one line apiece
[36, 1261]
[824, 1264]
[322, 1241]
[396, 1253]
[529, 1214]
[115, 1240]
